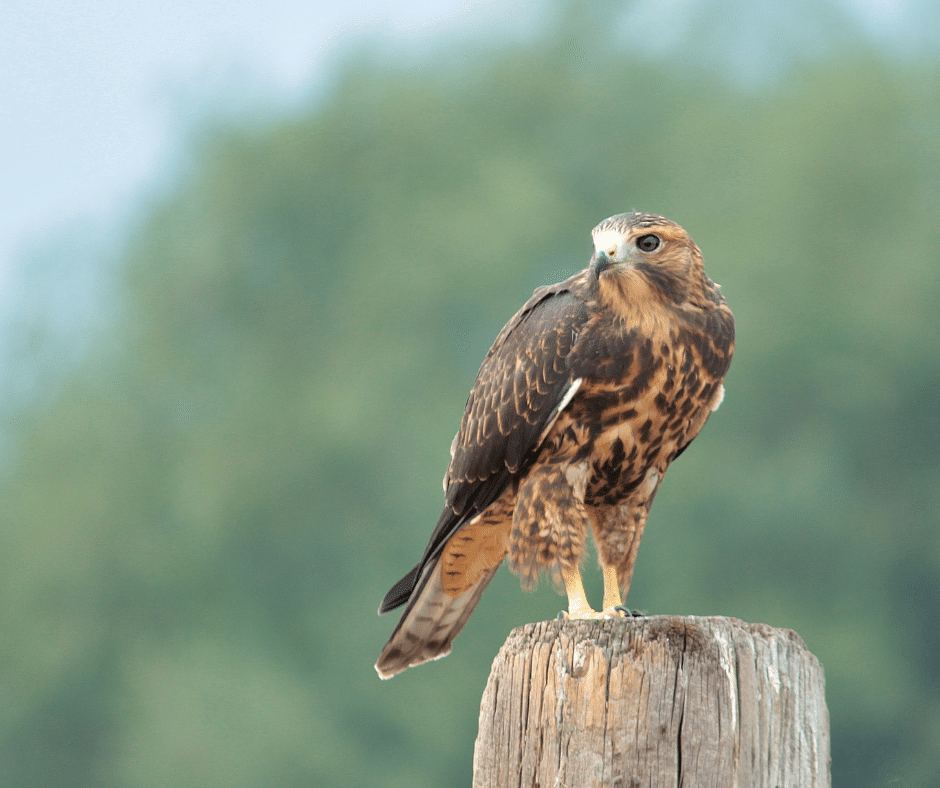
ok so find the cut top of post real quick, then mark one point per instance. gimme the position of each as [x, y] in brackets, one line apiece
[657, 701]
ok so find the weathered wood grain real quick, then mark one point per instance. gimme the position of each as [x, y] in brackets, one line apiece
[659, 701]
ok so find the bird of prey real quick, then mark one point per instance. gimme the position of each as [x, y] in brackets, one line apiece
[588, 393]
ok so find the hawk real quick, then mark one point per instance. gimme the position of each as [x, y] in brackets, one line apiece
[588, 393]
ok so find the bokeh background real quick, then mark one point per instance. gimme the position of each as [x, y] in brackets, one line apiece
[234, 357]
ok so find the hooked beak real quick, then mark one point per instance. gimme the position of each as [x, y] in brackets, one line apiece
[600, 262]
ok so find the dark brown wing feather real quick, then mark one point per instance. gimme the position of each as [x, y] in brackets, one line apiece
[521, 382]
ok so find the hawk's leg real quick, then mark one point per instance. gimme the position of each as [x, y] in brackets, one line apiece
[613, 601]
[578, 606]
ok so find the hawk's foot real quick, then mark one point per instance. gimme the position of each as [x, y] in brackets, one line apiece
[625, 612]
[587, 615]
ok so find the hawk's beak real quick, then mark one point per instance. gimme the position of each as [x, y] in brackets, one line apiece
[600, 262]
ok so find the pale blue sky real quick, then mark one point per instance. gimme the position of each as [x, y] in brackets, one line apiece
[93, 95]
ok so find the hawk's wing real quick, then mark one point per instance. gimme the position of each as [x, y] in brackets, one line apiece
[522, 386]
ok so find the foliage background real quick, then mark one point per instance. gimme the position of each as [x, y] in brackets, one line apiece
[205, 495]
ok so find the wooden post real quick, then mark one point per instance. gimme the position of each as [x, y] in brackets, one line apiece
[658, 701]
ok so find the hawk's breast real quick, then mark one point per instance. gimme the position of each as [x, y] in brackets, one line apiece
[624, 428]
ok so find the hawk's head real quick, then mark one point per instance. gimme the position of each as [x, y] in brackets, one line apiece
[652, 248]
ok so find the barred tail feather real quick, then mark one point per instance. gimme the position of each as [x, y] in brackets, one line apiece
[430, 622]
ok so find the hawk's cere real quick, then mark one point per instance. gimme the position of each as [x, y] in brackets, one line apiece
[586, 396]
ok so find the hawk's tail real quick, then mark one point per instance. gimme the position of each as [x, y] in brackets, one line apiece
[430, 622]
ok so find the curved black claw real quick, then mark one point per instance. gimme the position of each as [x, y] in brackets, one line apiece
[628, 613]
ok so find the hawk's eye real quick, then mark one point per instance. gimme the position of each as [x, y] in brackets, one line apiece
[647, 243]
